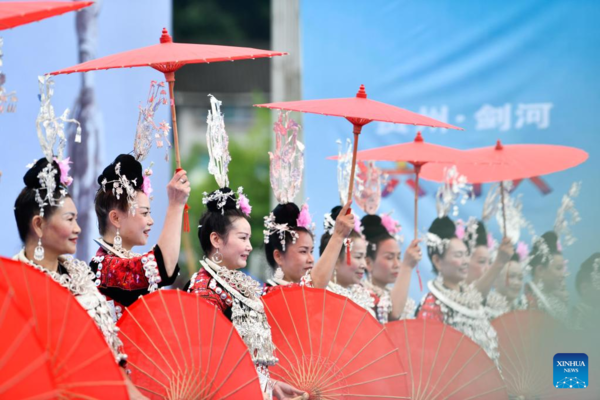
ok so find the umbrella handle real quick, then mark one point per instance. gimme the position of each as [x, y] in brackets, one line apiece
[503, 207]
[353, 170]
[170, 77]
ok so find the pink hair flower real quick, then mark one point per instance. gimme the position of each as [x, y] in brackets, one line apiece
[522, 250]
[245, 205]
[391, 225]
[146, 185]
[65, 179]
[460, 229]
[304, 219]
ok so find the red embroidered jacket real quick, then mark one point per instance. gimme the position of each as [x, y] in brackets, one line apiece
[124, 280]
[429, 309]
[204, 285]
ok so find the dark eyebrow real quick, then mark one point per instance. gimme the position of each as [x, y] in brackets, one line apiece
[70, 213]
[147, 208]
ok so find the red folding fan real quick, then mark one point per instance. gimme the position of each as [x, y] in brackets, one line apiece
[331, 348]
[22, 358]
[443, 363]
[181, 347]
[82, 364]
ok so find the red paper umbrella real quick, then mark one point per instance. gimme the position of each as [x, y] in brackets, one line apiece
[359, 111]
[167, 57]
[528, 341]
[180, 347]
[443, 363]
[22, 358]
[15, 13]
[332, 348]
[82, 363]
[510, 162]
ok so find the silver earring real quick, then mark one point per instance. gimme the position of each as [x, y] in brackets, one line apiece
[217, 257]
[118, 242]
[278, 273]
[38, 253]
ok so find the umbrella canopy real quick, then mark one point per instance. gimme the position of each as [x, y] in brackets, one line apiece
[443, 363]
[22, 358]
[418, 152]
[82, 364]
[330, 347]
[510, 162]
[167, 57]
[528, 341]
[15, 13]
[181, 347]
[359, 111]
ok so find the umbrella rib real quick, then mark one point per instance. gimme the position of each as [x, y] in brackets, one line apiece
[144, 353]
[478, 351]
[27, 328]
[319, 366]
[212, 381]
[362, 383]
[63, 326]
[145, 303]
[74, 347]
[240, 388]
[147, 374]
[443, 372]
[287, 306]
[473, 380]
[437, 352]
[186, 328]
[308, 326]
[231, 371]
[73, 369]
[24, 373]
[358, 353]
[162, 298]
[408, 355]
[150, 391]
[346, 346]
[212, 338]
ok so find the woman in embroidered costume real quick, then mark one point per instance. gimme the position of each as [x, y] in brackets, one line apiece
[546, 291]
[123, 209]
[475, 236]
[385, 266]
[47, 222]
[347, 276]
[586, 314]
[224, 234]
[450, 299]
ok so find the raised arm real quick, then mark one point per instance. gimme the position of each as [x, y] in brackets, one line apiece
[505, 252]
[178, 191]
[399, 292]
[322, 272]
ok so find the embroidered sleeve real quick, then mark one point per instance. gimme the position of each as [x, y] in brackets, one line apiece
[207, 288]
[140, 273]
[430, 310]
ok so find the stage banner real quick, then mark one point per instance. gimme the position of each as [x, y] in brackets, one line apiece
[105, 102]
[518, 71]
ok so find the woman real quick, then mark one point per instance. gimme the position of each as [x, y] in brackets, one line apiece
[124, 220]
[350, 265]
[385, 266]
[224, 234]
[47, 222]
[508, 288]
[289, 246]
[450, 299]
[586, 314]
[546, 291]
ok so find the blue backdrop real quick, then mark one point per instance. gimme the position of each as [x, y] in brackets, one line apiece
[51, 44]
[519, 71]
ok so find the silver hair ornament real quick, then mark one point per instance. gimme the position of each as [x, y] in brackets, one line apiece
[217, 142]
[147, 131]
[287, 159]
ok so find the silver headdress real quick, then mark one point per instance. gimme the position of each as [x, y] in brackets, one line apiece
[147, 131]
[433, 241]
[217, 142]
[455, 188]
[344, 169]
[8, 101]
[272, 227]
[367, 190]
[121, 186]
[567, 214]
[287, 160]
[50, 130]
[467, 231]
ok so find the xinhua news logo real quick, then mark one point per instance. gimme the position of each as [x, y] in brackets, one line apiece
[571, 371]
